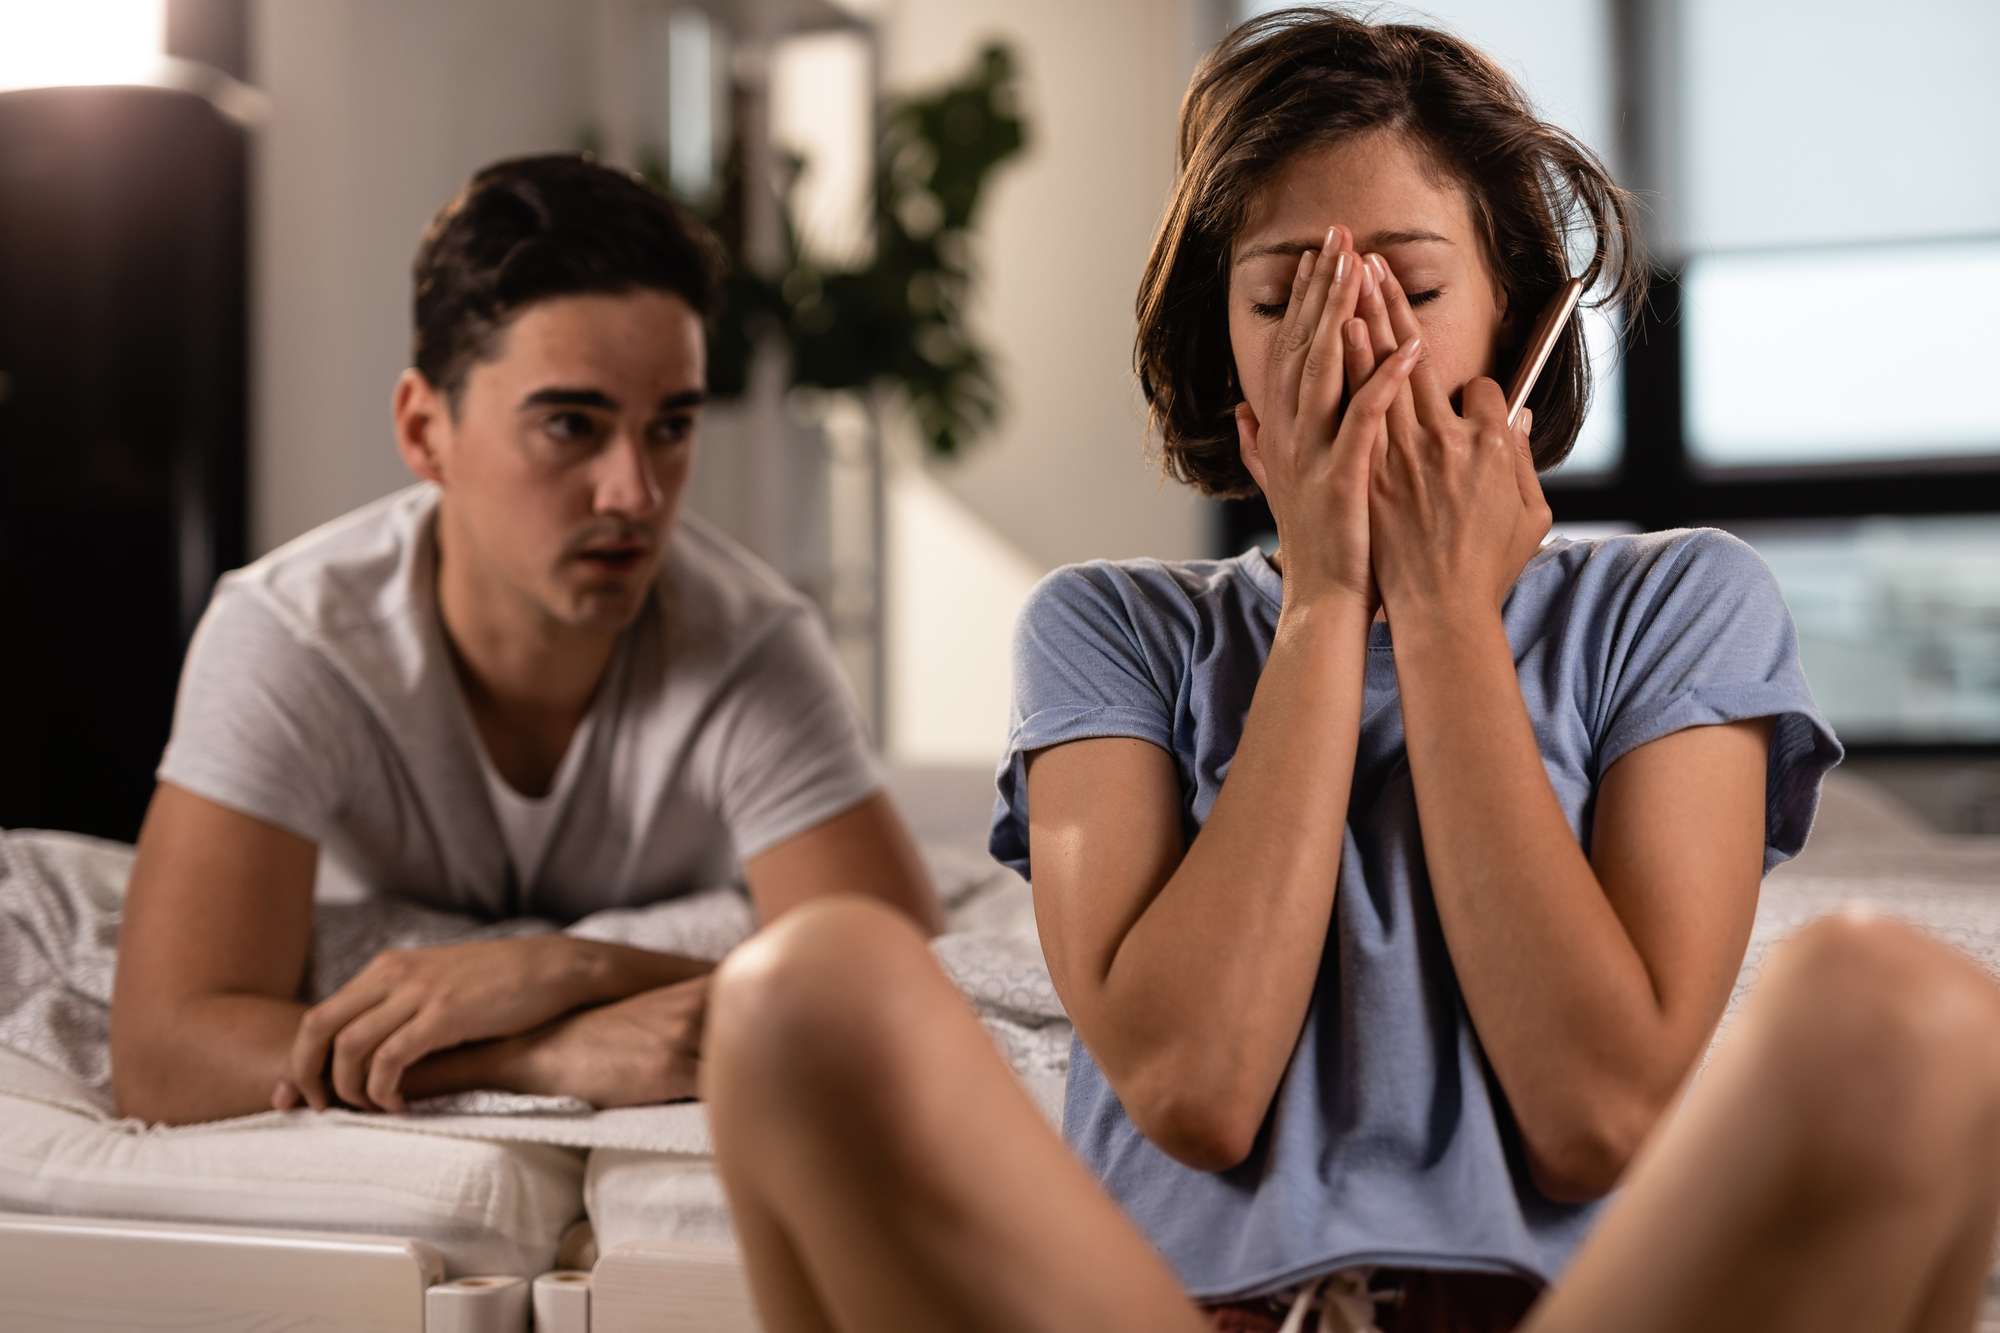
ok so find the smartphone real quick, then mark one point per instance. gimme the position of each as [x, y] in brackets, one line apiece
[1543, 341]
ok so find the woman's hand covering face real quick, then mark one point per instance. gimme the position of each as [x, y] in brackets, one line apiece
[1312, 331]
[1314, 438]
[1454, 504]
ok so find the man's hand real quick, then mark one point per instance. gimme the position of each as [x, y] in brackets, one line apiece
[410, 1003]
[638, 1051]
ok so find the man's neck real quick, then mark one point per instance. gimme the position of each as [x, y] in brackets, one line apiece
[527, 678]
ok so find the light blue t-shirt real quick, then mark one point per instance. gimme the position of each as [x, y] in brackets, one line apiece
[1388, 1142]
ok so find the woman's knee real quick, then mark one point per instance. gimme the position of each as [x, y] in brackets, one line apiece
[1891, 1040]
[817, 1000]
[1875, 985]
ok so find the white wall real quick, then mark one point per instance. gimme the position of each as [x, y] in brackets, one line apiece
[380, 110]
[1064, 236]
[955, 587]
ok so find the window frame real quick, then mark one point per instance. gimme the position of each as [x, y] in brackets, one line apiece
[1657, 484]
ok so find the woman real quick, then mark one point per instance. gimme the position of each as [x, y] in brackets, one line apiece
[1394, 883]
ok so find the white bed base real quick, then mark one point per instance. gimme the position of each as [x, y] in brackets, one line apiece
[95, 1275]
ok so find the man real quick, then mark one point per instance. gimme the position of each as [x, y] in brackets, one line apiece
[519, 688]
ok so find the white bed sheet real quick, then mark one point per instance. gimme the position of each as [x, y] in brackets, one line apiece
[488, 1206]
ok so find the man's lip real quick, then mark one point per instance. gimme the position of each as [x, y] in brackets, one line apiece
[614, 555]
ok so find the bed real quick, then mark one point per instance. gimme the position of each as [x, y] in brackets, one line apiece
[470, 1214]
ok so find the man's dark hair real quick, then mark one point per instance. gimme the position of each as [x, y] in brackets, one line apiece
[1305, 78]
[533, 228]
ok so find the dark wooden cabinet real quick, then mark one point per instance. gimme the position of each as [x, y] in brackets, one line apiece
[122, 432]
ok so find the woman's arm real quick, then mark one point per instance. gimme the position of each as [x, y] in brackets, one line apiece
[1593, 983]
[1188, 976]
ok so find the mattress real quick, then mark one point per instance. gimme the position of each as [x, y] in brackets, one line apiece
[635, 1195]
[487, 1206]
[492, 1181]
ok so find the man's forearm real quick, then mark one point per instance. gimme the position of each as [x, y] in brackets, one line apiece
[642, 1049]
[220, 1056]
[613, 972]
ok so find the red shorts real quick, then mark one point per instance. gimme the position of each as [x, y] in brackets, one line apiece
[1422, 1301]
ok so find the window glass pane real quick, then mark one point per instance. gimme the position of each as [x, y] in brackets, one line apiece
[1842, 355]
[1816, 121]
[1899, 622]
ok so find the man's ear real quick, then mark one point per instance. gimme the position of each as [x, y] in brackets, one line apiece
[423, 419]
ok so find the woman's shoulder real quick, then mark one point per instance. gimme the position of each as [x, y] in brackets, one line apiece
[1682, 565]
[1147, 592]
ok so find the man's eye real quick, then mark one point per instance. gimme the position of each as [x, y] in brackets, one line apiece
[570, 427]
[673, 430]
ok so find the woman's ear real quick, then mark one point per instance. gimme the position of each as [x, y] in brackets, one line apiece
[1246, 444]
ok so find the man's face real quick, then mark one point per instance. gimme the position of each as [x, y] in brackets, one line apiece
[563, 467]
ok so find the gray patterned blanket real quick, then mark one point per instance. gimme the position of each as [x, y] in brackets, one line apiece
[61, 896]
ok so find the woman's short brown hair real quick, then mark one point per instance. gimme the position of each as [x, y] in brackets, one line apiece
[1305, 78]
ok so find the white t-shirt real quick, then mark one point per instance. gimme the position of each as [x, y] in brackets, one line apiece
[528, 822]
[319, 696]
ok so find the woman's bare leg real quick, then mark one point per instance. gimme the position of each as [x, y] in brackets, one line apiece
[885, 1170]
[1836, 1168]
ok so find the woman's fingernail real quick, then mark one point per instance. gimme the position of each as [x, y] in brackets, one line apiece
[1307, 258]
[1341, 266]
[1381, 269]
[1411, 348]
[1332, 241]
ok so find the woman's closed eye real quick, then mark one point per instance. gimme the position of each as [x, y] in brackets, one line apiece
[1277, 309]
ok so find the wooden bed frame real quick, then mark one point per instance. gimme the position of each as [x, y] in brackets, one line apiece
[99, 1275]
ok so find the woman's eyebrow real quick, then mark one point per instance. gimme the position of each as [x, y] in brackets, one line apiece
[1381, 240]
